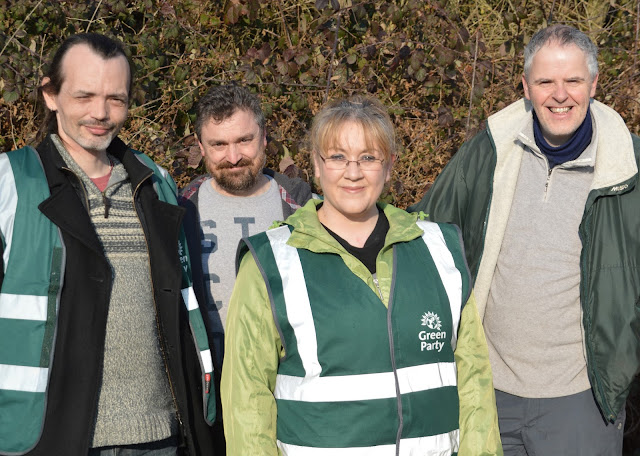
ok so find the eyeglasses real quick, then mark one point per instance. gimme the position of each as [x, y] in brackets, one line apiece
[340, 163]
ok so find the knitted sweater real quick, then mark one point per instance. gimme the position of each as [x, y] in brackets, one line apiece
[134, 404]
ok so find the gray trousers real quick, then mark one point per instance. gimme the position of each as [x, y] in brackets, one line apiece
[562, 426]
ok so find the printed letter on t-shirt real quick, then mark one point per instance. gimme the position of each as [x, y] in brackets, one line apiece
[209, 245]
[244, 222]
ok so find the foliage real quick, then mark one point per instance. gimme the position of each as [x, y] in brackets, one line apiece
[442, 67]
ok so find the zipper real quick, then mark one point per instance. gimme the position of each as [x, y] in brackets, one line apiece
[375, 282]
[392, 352]
[107, 203]
[155, 306]
[546, 185]
[84, 190]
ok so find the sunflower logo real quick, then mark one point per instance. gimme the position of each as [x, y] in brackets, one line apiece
[431, 321]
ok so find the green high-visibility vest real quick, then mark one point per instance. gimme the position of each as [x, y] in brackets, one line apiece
[33, 262]
[358, 377]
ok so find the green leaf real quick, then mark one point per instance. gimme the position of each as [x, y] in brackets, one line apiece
[11, 96]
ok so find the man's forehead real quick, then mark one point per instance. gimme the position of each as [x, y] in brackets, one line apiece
[241, 121]
[555, 58]
[83, 56]
[555, 46]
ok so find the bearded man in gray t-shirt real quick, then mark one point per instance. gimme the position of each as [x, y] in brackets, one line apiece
[238, 198]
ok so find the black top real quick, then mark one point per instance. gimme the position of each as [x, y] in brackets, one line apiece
[369, 252]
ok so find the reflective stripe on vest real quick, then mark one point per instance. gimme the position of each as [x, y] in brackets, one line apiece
[189, 298]
[33, 261]
[315, 387]
[451, 278]
[438, 445]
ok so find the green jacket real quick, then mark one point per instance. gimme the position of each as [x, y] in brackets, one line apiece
[475, 191]
[254, 347]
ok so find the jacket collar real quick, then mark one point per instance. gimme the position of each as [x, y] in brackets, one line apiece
[65, 207]
[586, 158]
[136, 170]
[310, 234]
[615, 160]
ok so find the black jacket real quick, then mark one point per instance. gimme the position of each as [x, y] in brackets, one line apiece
[79, 342]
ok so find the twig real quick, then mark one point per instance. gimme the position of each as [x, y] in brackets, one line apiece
[20, 26]
[284, 23]
[19, 44]
[550, 18]
[333, 54]
[13, 131]
[95, 11]
[473, 81]
[637, 43]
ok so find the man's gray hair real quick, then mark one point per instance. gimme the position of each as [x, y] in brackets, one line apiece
[564, 35]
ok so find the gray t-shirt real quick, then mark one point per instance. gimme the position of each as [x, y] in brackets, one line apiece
[224, 221]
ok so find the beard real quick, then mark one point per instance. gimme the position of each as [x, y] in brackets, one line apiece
[87, 141]
[236, 180]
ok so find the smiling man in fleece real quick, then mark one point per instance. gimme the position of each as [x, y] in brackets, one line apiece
[548, 201]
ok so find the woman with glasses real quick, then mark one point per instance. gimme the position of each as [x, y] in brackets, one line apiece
[351, 330]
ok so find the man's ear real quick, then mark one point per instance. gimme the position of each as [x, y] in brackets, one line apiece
[49, 99]
[525, 86]
[594, 85]
[199, 144]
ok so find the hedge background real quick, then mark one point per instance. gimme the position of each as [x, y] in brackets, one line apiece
[440, 66]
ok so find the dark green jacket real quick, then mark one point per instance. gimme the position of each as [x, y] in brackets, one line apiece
[475, 191]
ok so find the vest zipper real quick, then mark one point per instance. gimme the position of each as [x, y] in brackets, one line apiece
[155, 306]
[392, 352]
[375, 282]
